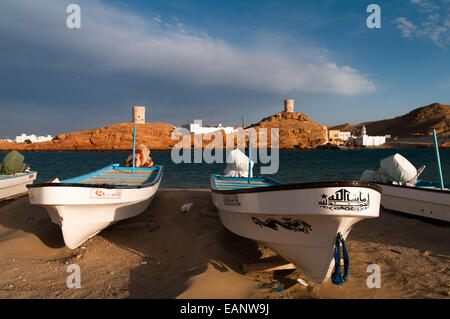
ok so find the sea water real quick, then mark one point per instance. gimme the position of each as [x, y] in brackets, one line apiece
[294, 166]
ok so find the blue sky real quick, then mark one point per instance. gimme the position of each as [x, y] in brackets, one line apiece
[217, 61]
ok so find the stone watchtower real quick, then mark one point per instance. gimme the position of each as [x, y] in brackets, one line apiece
[289, 105]
[139, 114]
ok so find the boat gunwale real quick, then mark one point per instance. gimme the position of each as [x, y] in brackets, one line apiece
[293, 186]
[155, 180]
[22, 174]
[415, 188]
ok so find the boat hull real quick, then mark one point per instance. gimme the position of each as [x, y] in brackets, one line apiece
[82, 212]
[417, 201]
[16, 186]
[298, 223]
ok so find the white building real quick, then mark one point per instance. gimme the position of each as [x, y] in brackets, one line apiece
[197, 128]
[345, 136]
[366, 140]
[33, 138]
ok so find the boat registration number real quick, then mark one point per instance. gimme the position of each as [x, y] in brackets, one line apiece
[106, 193]
[231, 200]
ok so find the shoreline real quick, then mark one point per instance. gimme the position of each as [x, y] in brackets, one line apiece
[341, 148]
[164, 253]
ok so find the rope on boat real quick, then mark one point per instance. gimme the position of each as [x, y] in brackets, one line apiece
[337, 278]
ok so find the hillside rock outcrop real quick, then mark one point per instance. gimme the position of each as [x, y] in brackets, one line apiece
[420, 121]
[296, 130]
[117, 137]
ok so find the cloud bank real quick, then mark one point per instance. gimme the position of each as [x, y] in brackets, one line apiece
[35, 37]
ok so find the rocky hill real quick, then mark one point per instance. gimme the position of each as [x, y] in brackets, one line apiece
[420, 121]
[295, 130]
[116, 137]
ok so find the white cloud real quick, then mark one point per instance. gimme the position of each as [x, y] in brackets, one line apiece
[426, 5]
[434, 23]
[407, 28]
[112, 40]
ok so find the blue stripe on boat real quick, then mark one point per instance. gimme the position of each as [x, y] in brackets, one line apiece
[15, 176]
[227, 183]
[142, 176]
[126, 176]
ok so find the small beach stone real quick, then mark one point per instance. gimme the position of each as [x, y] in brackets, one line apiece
[152, 226]
[427, 253]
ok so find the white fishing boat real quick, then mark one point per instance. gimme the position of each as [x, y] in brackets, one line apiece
[302, 222]
[424, 198]
[404, 192]
[85, 205]
[15, 184]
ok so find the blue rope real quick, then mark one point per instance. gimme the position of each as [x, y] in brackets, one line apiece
[337, 278]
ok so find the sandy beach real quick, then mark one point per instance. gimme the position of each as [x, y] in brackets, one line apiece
[164, 253]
